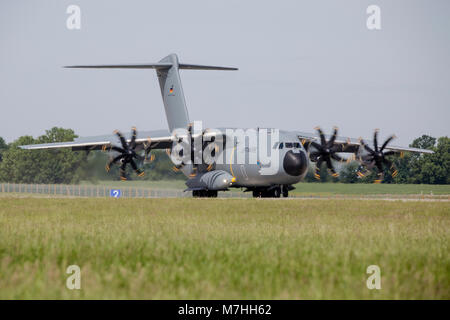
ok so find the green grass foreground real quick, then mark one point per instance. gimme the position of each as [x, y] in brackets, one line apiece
[216, 248]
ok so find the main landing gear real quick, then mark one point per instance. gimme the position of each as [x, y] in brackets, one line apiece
[271, 192]
[204, 193]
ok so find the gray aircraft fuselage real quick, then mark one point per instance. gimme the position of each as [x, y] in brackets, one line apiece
[291, 167]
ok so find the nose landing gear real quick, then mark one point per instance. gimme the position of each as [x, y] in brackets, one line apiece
[271, 192]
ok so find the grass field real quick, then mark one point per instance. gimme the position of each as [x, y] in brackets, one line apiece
[214, 248]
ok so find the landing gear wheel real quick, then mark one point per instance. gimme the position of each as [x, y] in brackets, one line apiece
[285, 192]
[276, 192]
[204, 193]
[256, 194]
[211, 194]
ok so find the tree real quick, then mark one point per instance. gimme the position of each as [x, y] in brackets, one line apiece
[424, 142]
[433, 168]
[41, 166]
[348, 173]
[426, 168]
[3, 147]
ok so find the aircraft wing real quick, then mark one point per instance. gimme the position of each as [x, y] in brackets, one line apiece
[352, 145]
[160, 139]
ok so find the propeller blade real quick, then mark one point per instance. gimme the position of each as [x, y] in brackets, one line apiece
[147, 152]
[193, 172]
[323, 142]
[392, 167]
[366, 146]
[133, 138]
[139, 157]
[122, 139]
[380, 173]
[314, 156]
[317, 146]
[112, 161]
[337, 158]
[317, 169]
[380, 177]
[333, 137]
[122, 171]
[331, 168]
[133, 165]
[117, 149]
[362, 172]
[387, 142]
[367, 158]
[139, 172]
[375, 140]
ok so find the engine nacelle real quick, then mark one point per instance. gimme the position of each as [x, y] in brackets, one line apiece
[213, 180]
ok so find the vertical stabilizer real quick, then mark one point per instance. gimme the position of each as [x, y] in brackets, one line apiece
[172, 94]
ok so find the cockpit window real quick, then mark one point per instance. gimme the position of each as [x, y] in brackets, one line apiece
[280, 146]
[275, 145]
[292, 145]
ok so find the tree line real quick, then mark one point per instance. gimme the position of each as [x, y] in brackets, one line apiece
[66, 166]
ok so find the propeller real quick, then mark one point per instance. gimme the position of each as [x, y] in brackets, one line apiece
[325, 152]
[127, 155]
[207, 146]
[180, 154]
[376, 157]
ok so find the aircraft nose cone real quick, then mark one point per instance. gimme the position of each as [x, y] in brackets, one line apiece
[295, 164]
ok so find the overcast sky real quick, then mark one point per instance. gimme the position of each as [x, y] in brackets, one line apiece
[301, 64]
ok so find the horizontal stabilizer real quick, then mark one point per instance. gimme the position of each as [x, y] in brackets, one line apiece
[150, 66]
[200, 67]
[125, 66]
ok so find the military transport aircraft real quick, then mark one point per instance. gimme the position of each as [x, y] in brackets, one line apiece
[290, 150]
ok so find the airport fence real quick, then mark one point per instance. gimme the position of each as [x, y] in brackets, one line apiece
[101, 191]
